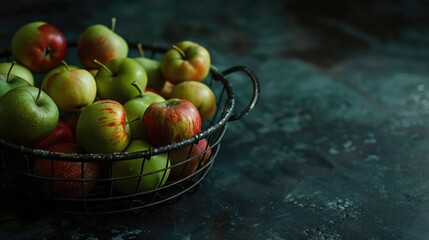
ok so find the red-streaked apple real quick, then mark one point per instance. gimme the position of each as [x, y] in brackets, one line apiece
[103, 127]
[171, 121]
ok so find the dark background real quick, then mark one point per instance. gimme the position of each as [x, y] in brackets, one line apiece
[337, 147]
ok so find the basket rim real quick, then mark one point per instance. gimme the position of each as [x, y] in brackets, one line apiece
[146, 154]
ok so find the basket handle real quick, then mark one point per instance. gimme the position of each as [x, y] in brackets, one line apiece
[256, 91]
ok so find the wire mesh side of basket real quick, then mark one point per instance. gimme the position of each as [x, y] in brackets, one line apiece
[24, 188]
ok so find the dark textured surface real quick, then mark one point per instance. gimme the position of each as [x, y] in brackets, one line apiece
[337, 147]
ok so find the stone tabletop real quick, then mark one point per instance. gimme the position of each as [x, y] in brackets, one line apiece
[336, 148]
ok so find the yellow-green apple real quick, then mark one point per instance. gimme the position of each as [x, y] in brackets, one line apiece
[135, 109]
[72, 182]
[171, 121]
[18, 70]
[60, 68]
[198, 93]
[152, 67]
[27, 115]
[185, 61]
[72, 89]
[61, 134]
[103, 127]
[139, 175]
[9, 81]
[40, 46]
[101, 43]
[115, 77]
[186, 160]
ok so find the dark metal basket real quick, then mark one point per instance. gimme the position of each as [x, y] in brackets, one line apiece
[22, 187]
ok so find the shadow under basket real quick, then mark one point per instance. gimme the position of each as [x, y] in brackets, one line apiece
[22, 187]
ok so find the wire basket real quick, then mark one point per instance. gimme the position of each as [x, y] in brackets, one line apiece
[23, 187]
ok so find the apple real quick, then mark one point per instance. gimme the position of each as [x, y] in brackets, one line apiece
[152, 67]
[72, 89]
[114, 79]
[40, 46]
[17, 70]
[135, 109]
[171, 121]
[185, 61]
[101, 43]
[140, 175]
[60, 68]
[166, 90]
[61, 134]
[198, 93]
[186, 160]
[71, 119]
[27, 115]
[70, 174]
[9, 81]
[103, 127]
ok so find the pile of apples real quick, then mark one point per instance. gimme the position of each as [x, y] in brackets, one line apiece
[109, 103]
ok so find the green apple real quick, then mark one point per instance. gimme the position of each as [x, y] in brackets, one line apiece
[139, 174]
[155, 79]
[114, 79]
[40, 46]
[9, 81]
[101, 43]
[27, 115]
[17, 70]
[199, 94]
[103, 127]
[135, 109]
[71, 89]
[185, 61]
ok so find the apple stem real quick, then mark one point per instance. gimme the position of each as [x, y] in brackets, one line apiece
[10, 70]
[139, 89]
[113, 24]
[66, 65]
[182, 53]
[39, 93]
[140, 48]
[103, 66]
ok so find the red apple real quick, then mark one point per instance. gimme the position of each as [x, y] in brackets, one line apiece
[39, 46]
[171, 121]
[186, 160]
[69, 173]
[71, 118]
[61, 134]
[185, 61]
